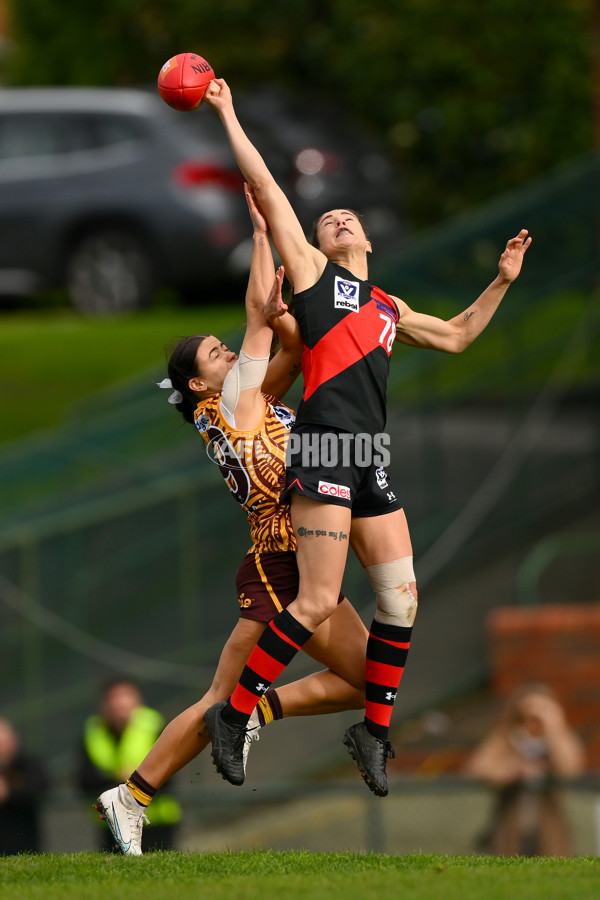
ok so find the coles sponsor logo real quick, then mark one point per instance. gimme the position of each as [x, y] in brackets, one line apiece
[346, 294]
[334, 490]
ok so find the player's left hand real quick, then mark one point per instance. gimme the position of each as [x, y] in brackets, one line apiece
[275, 306]
[512, 258]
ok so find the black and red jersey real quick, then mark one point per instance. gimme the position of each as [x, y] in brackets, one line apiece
[348, 327]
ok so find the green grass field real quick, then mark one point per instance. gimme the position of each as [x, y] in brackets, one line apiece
[290, 875]
[50, 360]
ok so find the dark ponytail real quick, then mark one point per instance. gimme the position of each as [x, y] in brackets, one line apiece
[181, 367]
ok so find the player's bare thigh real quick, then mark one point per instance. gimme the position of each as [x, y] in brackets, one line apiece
[380, 539]
[322, 531]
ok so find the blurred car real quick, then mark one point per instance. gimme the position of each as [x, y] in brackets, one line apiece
[110, 193]
[324, 160]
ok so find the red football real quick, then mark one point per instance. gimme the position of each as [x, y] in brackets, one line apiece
[183, 80]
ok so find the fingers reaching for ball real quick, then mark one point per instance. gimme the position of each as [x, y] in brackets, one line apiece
[218, 93]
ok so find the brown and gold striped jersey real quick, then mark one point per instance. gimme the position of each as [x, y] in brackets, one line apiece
[253, 466]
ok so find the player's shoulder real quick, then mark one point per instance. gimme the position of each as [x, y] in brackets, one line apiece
[309, 273]
[400, 305]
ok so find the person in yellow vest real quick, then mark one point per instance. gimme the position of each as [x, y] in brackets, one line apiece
[114, 741]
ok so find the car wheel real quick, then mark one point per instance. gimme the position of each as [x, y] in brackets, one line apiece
[110, 271]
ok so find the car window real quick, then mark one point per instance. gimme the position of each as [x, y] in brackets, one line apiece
[39, 134]
[115, 129]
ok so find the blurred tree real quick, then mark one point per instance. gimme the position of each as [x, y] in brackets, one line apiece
[472, 99]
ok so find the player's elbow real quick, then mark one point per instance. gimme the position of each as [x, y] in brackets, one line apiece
[453, 343]
[458, 341]
[262, 186]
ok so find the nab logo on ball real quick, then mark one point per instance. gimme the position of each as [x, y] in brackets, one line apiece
[345, 294]
[170, 64]
[334, 490]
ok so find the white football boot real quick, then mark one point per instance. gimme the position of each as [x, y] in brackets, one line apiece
[125, 817]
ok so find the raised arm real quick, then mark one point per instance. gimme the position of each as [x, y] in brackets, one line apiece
[241, 397]
[285, 366]
[258, 336]
[454, 335]
[303, 262]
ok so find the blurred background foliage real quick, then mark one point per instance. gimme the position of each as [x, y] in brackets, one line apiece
[472, 99]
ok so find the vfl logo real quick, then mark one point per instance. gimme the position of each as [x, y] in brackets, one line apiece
[345, 294]
[382, 478]
[284, 415]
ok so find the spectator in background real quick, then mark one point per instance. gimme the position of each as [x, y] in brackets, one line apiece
[114, 742]
[524, 759]
[23, 782]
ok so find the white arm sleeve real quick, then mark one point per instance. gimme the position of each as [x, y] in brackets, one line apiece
[245, 373]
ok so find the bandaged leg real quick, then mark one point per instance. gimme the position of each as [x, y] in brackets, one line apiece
[396, 602]
[389, 640]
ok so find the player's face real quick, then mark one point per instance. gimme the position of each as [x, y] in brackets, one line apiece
[213, 362]
[340, 229]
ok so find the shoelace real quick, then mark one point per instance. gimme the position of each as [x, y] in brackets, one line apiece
[144, 817]
[239, 737]
[389, 750]
[252, 735]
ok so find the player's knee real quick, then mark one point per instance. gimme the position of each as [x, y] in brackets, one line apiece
[357, 700]
[314, 610]
[395, 591]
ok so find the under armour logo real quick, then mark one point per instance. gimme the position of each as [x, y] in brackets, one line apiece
[390, 696]
[391, 496]
[261, 688]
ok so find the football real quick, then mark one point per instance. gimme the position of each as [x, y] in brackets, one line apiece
[183, 80]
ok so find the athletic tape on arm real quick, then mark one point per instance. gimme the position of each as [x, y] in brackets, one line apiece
[396, 603]
[245, 373]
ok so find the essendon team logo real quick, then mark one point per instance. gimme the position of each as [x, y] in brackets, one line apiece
[345, 294]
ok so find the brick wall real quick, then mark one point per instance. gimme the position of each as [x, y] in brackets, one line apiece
[560, 646]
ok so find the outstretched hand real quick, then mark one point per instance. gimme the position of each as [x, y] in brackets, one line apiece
[275, 307]
[512, 258]
[218, 94]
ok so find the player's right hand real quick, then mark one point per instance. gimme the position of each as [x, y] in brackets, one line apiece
[275, 306]
[218, 94]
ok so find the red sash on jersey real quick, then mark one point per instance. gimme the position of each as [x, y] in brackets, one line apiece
[357, 335]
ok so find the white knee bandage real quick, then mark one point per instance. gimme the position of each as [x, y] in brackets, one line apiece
[396, 603]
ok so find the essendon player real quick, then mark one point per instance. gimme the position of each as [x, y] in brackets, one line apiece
[348, 327]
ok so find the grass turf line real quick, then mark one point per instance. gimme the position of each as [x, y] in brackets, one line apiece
[272, 874]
